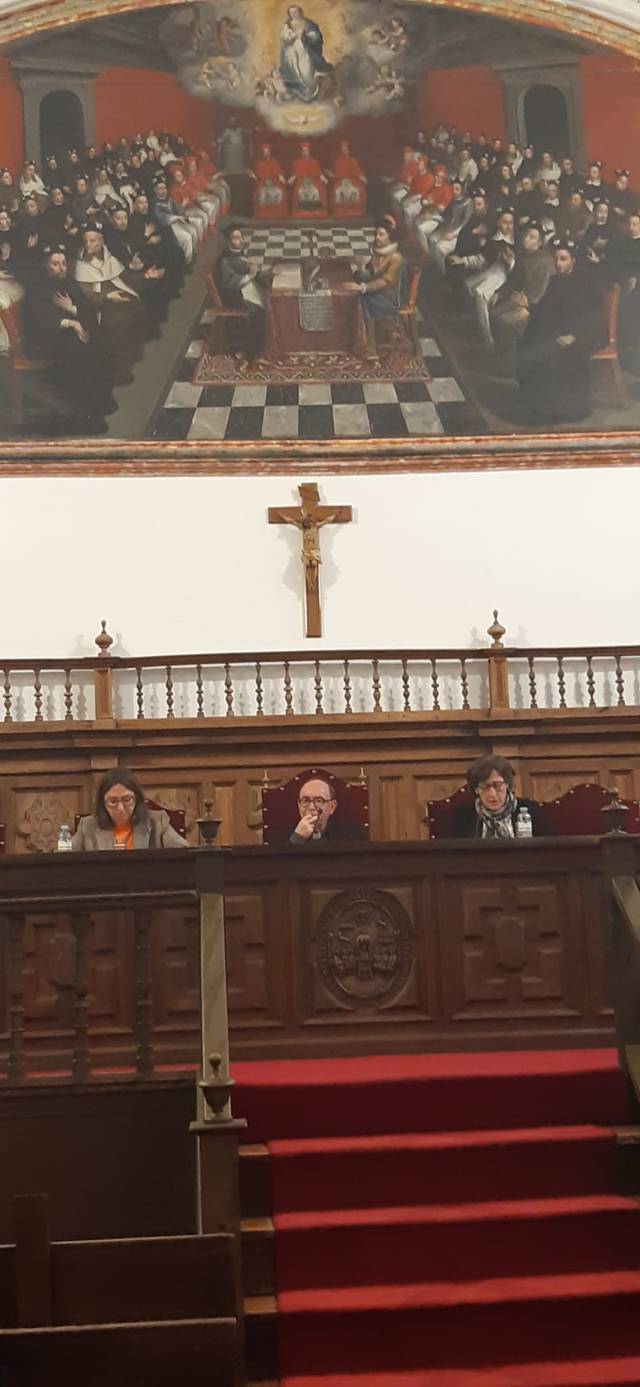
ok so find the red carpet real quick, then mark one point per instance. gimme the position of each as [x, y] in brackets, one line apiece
[450, 1219]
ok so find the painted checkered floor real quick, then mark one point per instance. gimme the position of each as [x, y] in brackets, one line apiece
[380, 409]
[291, 243]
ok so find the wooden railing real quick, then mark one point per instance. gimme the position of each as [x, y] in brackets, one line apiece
[100, 919]
[269, 684]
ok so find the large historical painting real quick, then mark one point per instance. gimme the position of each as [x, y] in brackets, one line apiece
[260, 223]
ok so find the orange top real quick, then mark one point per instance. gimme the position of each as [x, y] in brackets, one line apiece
[123, 836]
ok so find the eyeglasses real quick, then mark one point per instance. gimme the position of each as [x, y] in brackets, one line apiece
[492, 784]
[125, 800]
[305, 802]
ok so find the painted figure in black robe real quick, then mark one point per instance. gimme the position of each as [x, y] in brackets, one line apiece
[147, 279]
[625, 269]
[62, 328]
[565, 327]
[241, 285]
[156, 244]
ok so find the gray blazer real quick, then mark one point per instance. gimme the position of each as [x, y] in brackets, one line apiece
[152, 831]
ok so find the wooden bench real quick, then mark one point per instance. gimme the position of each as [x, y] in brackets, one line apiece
[132, 1355]
[133, 1311]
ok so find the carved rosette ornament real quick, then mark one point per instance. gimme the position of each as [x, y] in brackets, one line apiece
[363, 939]
[41, 820]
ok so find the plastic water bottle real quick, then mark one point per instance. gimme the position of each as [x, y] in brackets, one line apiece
[64, 839]
[524, 826]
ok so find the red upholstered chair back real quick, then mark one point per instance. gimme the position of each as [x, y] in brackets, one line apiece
[280, 805]
[440, 812]
[3, 837]
[177, 817]
[579, 810]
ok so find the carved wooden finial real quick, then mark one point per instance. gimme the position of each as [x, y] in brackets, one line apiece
[208, 825]
[496, 630]
[266, 783]
[104, 641]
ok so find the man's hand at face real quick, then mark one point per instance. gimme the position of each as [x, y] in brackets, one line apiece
[308, 823]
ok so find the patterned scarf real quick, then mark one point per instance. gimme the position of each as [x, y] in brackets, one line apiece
[498, 824]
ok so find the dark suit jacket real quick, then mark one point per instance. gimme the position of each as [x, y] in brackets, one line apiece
[336, 832]
[466, 823]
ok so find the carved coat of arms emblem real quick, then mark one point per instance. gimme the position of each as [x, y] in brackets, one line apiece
[363, 945]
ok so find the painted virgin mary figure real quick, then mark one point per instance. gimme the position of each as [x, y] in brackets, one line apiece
[301, 57]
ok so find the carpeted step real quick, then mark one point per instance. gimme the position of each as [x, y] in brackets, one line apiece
[456, 1242]
[449, 1092]
[442, 1167]
[478, 1324]
[601, 1372]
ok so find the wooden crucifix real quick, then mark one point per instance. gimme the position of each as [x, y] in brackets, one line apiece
[308, 518]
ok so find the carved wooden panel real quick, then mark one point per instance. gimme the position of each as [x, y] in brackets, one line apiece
[358, 951]
[551, 784]
[512, 948]
[37, 816]
[255, 971]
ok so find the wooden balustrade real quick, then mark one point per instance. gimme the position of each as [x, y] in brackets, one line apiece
[496, 679]
[81, 937]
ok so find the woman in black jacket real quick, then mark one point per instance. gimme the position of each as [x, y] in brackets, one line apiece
[495, 809]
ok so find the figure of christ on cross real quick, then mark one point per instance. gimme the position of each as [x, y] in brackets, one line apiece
[309, 517]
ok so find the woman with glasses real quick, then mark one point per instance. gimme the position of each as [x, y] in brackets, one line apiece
[495, 808]
[122, 820]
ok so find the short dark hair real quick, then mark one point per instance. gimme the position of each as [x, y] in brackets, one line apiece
[480, 769]
[119, 776]
[230, 231]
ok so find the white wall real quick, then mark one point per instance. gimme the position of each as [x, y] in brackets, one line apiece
[181, 565]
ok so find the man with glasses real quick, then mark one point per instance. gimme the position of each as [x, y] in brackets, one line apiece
[495, 807]
[317, 804]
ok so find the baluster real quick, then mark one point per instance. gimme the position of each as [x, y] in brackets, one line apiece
[8, 715]
[259, 691]
[619, 682]
[591, 683]
[406, 687]
[139, 691]
[435, 685]
[317, 683]
[37, 691]
[81, 924]
[561, 681]
[377, 706]
[347, 688]
[199, 693]
[465, 683]
[228, 690]
[533, 691]
[288, 700]
[68, 696]
[169, 688]
[142, 1024]
[16, 1063]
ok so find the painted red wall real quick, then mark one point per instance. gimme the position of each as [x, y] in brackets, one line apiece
[611, 112]
[131, 99]
[11, 126]
[469, 97]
